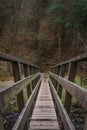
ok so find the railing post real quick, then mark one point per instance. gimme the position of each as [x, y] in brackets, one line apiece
[85, 124]
[1, 123]
[20, 97]
[71, 77]
[30, 68]
[29, 91]
[25, 70]
[62, 74]
[57, 72]
[20, 101]
[16, 71]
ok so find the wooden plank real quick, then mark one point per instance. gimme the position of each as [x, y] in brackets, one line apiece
[64, 116]
[20, 101]
[71, 77]
[1, 123]
[17, 77]
[85, 124]
[44, 115]
[5, 57]
[62, 74]
[8, 93]
[20, 123]
[16, 71]
[44, 125]
[26, 71]
[79, 93]
[75, 59]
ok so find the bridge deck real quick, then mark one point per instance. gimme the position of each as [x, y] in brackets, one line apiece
[44, 115]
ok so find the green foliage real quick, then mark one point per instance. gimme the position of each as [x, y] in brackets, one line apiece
[57, 11]
[79, 13]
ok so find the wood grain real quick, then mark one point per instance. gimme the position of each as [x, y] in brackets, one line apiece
[44, 115]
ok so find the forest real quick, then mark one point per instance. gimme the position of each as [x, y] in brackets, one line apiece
[43, 33]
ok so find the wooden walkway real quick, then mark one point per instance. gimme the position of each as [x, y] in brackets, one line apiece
[44, 115]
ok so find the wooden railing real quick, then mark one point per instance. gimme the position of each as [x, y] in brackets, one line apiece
[31, 82]
[58, 82]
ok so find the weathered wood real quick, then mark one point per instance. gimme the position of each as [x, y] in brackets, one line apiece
[5, 57]
[20, 101]
[16, 71]
[62, 74]
[64, 116]
[20, 123]
[75, 59]
[30, 69]
[79, 93]
[7, 94]
[57, 72]
[20, 96]
[1, 123]
[44, 115]
[71, 77]
[26, 73]
[29, 91]
[85, 124]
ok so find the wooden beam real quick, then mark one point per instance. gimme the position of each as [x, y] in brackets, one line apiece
[5, 57]
[64, 116]
[1, 123]
[28, 90]
[16, 71]
[20, 101]
[75, 59]
[85, 124]
[79, 93]
[62, 74]
[20, 123]
[26, 73]
[7, 94]
[71, 77]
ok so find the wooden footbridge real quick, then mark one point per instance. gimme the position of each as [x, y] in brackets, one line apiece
[44, 109]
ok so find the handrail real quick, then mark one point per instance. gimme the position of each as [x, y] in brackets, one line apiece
[80, 94]
[7, 94]
[75, 59]
[5, 57]
[64, 116]
[19, 125]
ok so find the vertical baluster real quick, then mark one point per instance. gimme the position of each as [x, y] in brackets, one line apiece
[57, 72]
[1, 123]
[62, 74]
[30, 68]
[25, 70]
[71, 77]
[16, 73]
[85, 124]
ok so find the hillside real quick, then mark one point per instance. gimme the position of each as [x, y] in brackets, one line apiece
[26, 32]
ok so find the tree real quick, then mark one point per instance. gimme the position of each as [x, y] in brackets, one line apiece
[71, 18]
[57, 12]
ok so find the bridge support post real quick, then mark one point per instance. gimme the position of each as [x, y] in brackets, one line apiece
[57, 72]
[26, 70]
[85, 124]
[29, 91]
[71, 77]
[16, 71]
[30, 68]
[62, 74]
[20, 101]
[1, 123]
[20, 97]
